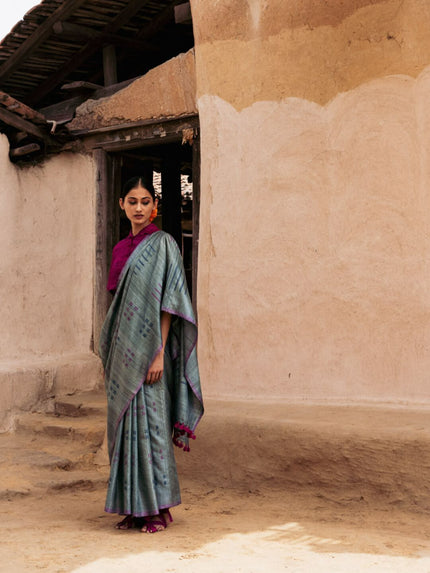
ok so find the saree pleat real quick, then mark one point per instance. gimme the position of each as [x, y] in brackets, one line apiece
[143, 476]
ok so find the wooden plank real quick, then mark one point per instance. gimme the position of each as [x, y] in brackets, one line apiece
[23, 110]
[83, 33]
[64, 111]
[73, 31]
[22, 125]
[81, 85]
[136, 134]
[109, 66]
[37, 38]
[163, 18]
[24, 150]
[132, 7]
[103, 232]
[196, 218]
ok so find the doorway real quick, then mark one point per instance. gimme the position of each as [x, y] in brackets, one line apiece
[174, 166]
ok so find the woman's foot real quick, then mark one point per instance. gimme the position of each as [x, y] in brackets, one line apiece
[155, 523]
[127, 523]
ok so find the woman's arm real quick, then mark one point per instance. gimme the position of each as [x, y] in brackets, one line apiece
[155, 371]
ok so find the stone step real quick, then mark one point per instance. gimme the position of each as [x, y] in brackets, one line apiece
[81, 405]
[46, 465]
[88, 430]
[42, 483]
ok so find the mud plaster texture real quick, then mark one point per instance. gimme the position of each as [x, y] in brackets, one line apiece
[322, 280]
[314, 149]
[254, 50]
[165, 91]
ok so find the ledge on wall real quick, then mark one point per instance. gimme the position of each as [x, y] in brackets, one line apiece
[31, 385]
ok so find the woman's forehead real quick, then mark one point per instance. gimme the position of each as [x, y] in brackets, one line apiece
[139, 192]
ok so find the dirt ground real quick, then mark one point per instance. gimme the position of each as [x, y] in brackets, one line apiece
[216, 531]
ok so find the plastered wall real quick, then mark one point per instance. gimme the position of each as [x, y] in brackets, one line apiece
[47, 249]
[315, 209]
[46, 277]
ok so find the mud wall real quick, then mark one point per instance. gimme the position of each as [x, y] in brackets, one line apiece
[167, 90]
[315, 207]
[46, 278]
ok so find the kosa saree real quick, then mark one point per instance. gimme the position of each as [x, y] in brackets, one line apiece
[143, 421]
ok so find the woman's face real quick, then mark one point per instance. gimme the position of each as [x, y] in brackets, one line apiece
[138, 205]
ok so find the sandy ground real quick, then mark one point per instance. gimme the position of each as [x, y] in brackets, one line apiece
[215, 530]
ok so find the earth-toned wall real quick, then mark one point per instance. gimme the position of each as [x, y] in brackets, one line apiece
[168, 90]
[315, 208]
[46, 279]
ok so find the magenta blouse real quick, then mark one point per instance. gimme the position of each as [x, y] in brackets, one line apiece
[123, 250]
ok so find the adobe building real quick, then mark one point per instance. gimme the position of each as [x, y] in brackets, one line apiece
[304, 127]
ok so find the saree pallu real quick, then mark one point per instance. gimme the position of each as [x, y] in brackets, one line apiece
[144, 421]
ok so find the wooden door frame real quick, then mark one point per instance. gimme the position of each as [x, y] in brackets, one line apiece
[101, 143]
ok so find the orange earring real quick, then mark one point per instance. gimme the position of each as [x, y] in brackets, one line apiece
[153, 214]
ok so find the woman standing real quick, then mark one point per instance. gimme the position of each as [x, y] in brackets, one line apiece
[148, 349]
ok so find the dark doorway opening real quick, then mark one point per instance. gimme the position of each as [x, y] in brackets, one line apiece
[170, 167]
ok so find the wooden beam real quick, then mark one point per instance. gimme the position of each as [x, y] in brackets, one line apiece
[131, 9]
[103, 247]
[79, 33]
[165, 17]
[63, 111]
[133, 135]
[23, 125]
[23, 110]
[43, 31]
[24, 150]
[73, 31]
[81, 86]
[109, 66]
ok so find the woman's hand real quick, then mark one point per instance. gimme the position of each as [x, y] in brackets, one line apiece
[156, 369]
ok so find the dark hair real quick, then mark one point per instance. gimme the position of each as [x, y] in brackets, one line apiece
[138, 181]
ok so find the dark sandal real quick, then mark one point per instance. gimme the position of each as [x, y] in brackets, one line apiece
[156, 523]
[127, 523]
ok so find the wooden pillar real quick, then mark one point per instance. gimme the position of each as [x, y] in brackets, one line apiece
[104, 221]
[196, 217]
[109, 66]
[172, 198]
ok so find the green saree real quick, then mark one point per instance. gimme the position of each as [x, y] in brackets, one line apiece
[144, 421]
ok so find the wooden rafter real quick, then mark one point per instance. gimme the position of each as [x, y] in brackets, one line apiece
[158, 23]
[84, 33]
[23, 124]
[35, 40]
[87, 51]
[13, 105]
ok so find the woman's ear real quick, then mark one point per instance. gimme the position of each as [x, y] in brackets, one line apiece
[121, 203]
